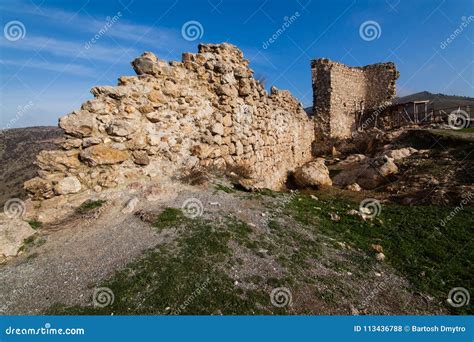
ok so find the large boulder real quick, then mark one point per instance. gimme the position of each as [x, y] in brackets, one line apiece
[103, 155]
[68, 185]
[146, 64]
[314, 173]
[368, 173]
[12, 236]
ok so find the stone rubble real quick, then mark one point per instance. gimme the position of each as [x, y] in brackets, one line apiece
[204, 112]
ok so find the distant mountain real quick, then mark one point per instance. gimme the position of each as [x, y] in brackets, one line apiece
[437, 100]
[18, 150]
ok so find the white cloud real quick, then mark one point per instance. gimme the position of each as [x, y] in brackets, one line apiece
[126, 34]
[69, 68]
[73, 50]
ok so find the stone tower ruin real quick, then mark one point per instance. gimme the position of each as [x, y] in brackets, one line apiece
[342, 93]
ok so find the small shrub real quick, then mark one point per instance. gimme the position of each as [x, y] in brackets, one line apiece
[35, 224]
[89, 205]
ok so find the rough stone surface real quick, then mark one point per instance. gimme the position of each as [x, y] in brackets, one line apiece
[204, 112]
[102, 155]
[12, 236]
[400, 153]
[68, 185]
[369, 173]
[342, 93]
[314, 173]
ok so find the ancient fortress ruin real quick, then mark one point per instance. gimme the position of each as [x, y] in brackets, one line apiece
[341, 95]
[206, 111]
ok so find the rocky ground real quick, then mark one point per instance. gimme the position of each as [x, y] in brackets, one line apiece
[204, 245]
[157, 258]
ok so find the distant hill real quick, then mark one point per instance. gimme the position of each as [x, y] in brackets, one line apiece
[437, 100]
[18, 150]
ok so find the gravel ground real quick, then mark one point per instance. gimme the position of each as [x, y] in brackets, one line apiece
[85, 251]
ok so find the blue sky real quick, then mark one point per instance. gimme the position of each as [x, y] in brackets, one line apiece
[49, 58]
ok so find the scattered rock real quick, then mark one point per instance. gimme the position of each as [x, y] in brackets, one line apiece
[354, 187]
[368, 173]
[377, 248]
[400, 153]
[314, 173]
[12, 236]
[334, 217]
[130, 205]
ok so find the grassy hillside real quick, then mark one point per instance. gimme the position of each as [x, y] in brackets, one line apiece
[18, 150]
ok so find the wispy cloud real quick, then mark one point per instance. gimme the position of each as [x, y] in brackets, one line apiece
[125, 34]
[69, 68]
[71, 49]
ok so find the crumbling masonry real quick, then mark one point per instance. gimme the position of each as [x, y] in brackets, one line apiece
[341, 94]
[206, 111]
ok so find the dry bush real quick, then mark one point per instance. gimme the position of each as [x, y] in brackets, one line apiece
[196, 176]
[241, 170]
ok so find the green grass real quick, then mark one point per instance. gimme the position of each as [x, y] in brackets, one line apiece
[89, 205]
[433, 258]
[168, 218]
[32, 241]
[35, 224]
[226, 189]
[184, 277]
[464, 134]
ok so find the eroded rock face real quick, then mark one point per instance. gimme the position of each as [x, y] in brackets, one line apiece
[315, 173]
[206, 111]
[13, 233]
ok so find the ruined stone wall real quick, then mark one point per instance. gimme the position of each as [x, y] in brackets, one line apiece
[341, 92]
[206, 111]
